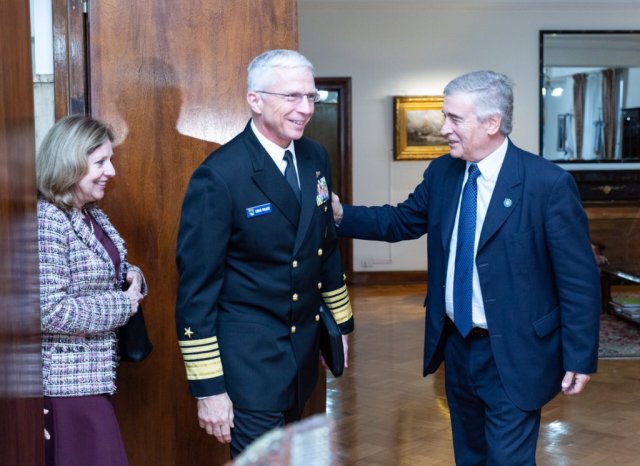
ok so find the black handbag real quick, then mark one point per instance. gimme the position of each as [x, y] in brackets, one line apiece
[133, 341]
[331, 342]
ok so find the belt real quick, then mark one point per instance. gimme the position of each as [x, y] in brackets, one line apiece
[478, 332]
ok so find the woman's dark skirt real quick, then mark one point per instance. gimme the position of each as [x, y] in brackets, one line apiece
[84, 431]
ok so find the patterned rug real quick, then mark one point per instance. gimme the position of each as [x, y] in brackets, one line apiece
[618, 338]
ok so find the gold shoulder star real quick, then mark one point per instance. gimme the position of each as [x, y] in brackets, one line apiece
[188, 332]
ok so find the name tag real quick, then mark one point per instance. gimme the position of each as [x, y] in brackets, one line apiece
[258, 210]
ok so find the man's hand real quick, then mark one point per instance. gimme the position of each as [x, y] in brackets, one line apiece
[573, 383]
[337, 209]
[345, 345]
[215, 414]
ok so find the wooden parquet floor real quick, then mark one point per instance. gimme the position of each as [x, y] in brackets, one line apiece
[387, 414]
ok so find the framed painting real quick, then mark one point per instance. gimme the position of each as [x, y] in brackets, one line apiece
[417, 122]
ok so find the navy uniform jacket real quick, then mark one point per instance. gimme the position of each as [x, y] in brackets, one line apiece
[254, 268]
[538, 276]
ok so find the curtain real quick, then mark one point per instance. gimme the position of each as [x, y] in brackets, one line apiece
[578, 109]
[608, 112]
[592, 134]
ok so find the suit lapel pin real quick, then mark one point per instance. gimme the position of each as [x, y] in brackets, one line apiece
[507, 202]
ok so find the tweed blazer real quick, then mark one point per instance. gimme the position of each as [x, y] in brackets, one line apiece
[81, 302]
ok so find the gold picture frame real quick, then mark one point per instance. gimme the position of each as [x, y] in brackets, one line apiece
[417, 122]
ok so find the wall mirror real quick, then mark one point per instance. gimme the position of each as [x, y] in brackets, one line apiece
[590, 99]
[590, 109]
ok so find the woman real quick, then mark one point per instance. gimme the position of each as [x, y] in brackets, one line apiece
[83, 266]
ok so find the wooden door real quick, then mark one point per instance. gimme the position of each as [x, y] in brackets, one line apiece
[21, 418]
[170, 77]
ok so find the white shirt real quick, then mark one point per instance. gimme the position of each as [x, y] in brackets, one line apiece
[489, 168]
[275, 151]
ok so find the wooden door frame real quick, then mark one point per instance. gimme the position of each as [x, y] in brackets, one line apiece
[342, 85]
[70, 62]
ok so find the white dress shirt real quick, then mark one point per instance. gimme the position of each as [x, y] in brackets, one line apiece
[275, 151]
[489, 168]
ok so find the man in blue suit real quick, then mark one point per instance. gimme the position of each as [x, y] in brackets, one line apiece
[257, 255]
[513, 292]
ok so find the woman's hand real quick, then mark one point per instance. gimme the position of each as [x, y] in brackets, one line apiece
[134, 292]
[135, 281]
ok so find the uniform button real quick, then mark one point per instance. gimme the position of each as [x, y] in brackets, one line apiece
[293, 329]
[295, 296]
[294, 264]
[320, 251]
[319, 285]
[325, 208]
[317, 317]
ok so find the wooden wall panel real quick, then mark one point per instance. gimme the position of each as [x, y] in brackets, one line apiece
[21, 419]
[170, 78]
[617, 228]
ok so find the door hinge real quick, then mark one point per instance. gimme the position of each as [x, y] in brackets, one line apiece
[85, 6]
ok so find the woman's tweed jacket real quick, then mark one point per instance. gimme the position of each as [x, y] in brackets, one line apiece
[80, 302]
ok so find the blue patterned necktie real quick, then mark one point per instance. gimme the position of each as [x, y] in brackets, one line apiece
[463, 272]
[291, 175]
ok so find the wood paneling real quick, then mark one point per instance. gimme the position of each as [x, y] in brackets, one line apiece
[170, 77]
[21, 419]
[617, 228]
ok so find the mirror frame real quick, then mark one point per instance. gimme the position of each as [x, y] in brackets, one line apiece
[597, 180]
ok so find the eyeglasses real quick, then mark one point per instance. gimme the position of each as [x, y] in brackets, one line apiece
[296, 98]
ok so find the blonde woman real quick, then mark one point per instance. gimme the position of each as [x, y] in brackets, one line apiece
[83, 264]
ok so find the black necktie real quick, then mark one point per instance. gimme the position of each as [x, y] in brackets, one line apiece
[291, 175]
[463, 272]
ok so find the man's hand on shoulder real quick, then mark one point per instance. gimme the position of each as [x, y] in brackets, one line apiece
[337, 208]
[215, 414]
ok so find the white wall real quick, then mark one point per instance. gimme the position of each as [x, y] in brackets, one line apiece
[408, 47]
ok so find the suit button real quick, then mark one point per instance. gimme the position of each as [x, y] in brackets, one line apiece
[293, 329]
[320, 251]
[317, 317]
[319, 285]
[294, 264]
[295, 296]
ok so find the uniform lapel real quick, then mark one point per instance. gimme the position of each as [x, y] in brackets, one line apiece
[506, 196]
[308, 187]
[270, 180]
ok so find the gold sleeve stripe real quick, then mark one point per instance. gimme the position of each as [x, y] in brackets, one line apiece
[203, 341]
[342, 314]
[338, 302]
[200, 370]
[200, 356]
[199, 349]
[335, 294]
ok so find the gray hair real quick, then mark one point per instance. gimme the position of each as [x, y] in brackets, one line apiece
[493, 92]
[259, 71]
[61, 161]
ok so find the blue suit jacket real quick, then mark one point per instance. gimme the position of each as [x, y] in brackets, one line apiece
[537, 272]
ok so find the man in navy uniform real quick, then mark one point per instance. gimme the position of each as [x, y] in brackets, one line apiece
[513, 292]
[257, 254]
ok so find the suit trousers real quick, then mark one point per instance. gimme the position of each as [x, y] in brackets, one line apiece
[488, 429]
[250, 425]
